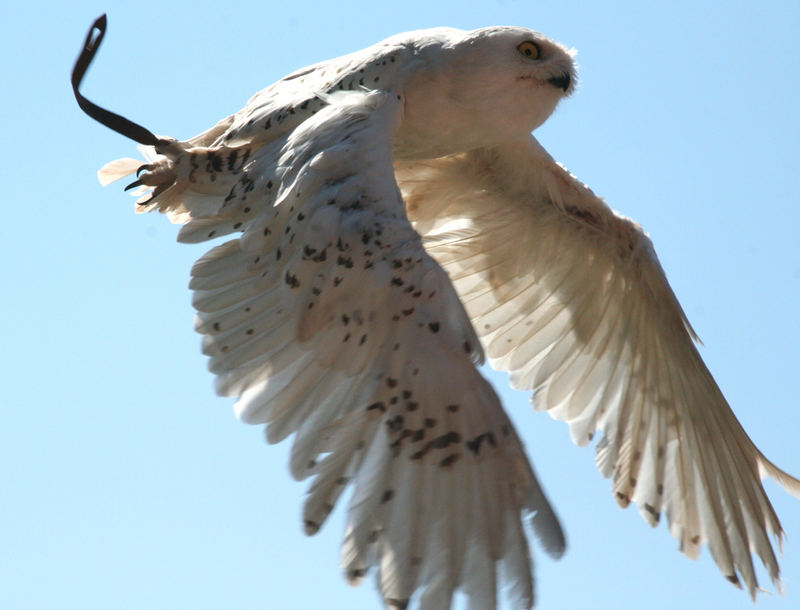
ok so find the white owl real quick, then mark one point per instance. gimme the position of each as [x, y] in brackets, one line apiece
[395, 222]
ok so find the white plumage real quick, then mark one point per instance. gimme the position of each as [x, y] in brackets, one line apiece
[396, 221]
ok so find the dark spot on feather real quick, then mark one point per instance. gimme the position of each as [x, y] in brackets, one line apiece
[632, 481]
[475, 444]
[216, 326]
[278, 254]
[733, 578]
[581, 214]
[311, 527]
[434, 326]
[235, 153]
[377, 405]
[362, 340]
[411, 405]
[355, 574]
[653, 512]
[430, 422]
[346, 338]
[452, 408]
[695, 539]
[418, 435]
[291, 280]
[250, 331]
[391, 382]
[212, 233]
[400, 604]
[445, 440]
[397, 281]
[467, 347]
[660, 489]
[214, 161]
[449, 460]
[406, 394]
[337, 281]
[387, 495]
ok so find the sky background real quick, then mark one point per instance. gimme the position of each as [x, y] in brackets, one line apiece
[124, 481]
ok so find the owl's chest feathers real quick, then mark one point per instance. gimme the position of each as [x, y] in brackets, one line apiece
[442, 116]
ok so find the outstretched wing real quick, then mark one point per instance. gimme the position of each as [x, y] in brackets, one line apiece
[570, 298]
[329, 321]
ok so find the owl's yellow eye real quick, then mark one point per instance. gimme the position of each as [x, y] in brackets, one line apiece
[529, 49]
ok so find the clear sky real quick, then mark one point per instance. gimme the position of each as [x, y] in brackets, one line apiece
[124, 481]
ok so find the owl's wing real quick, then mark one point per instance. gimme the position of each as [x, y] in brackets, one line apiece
[570, 298]
[329, 321]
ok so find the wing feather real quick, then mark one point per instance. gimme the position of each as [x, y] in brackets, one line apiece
[569, 297]
[330, 322]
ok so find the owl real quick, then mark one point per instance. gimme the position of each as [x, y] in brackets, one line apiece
[392, 222]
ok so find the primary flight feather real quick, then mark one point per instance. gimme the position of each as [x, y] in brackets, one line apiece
[396, 221]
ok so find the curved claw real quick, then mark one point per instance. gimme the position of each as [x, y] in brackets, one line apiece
[156, 192]
[134, 184]
[143, 168]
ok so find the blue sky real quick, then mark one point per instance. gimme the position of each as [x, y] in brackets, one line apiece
[125, 483]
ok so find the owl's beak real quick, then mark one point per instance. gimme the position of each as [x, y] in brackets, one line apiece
[562, 81]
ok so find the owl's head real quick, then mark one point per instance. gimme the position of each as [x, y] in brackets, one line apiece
[489, 85]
